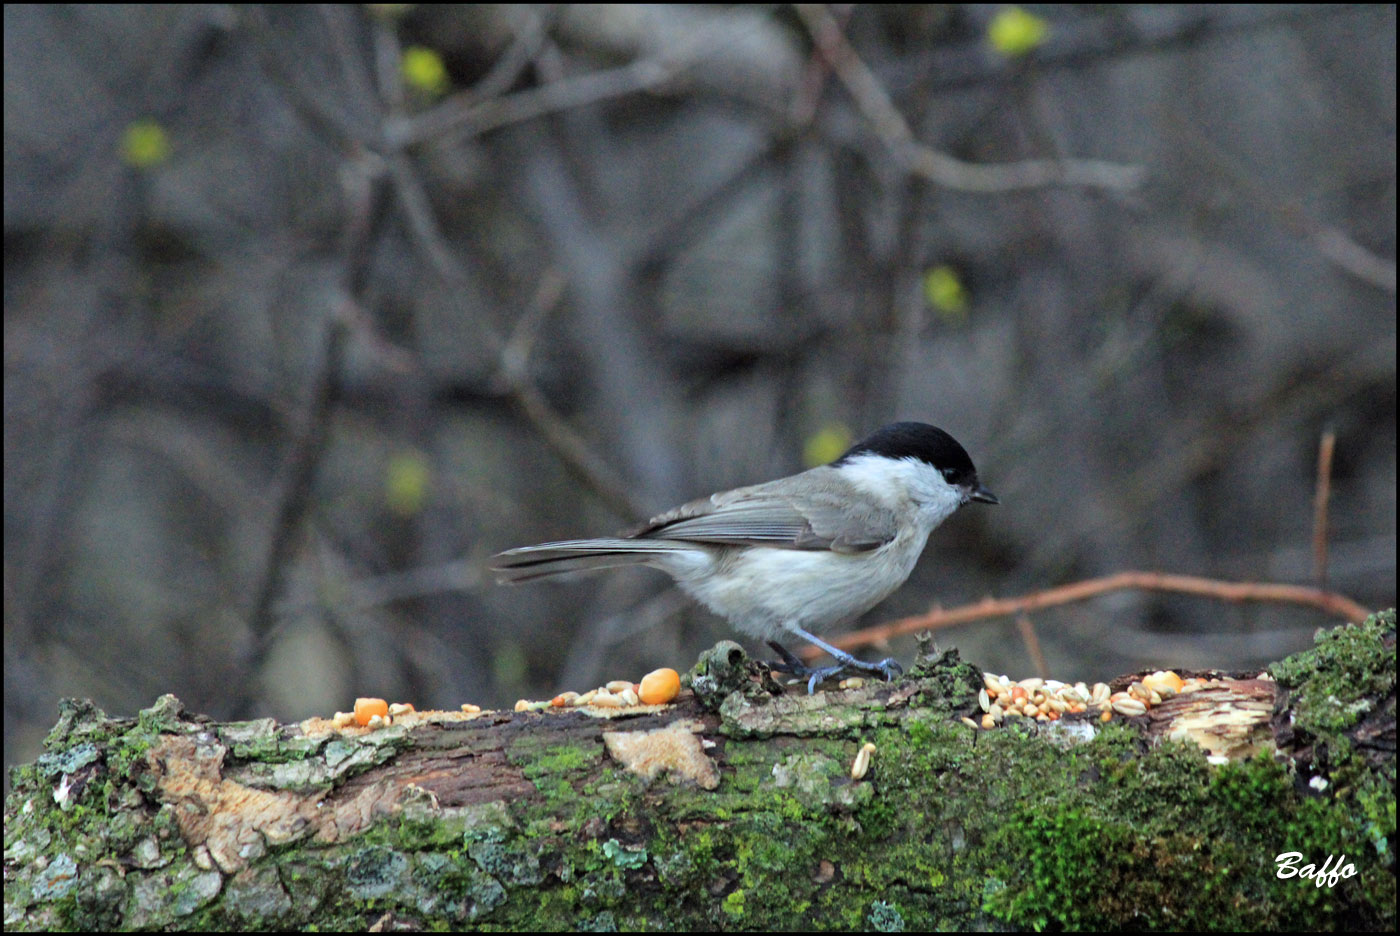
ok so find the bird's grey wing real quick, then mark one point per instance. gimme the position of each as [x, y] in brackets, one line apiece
[816, 514]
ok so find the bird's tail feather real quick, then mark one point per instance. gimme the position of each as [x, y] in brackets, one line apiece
[531, 562]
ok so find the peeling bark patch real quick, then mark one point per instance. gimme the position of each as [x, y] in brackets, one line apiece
[1229, 718]
[235, 823]
[675, 748]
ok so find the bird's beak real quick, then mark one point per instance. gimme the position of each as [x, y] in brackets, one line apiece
[979, 493]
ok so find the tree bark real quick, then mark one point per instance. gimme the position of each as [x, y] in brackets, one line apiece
[734, 808]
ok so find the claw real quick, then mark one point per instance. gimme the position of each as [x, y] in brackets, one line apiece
[888, 668]
[790, 663]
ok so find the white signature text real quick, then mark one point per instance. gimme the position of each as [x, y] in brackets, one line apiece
[1332, 870]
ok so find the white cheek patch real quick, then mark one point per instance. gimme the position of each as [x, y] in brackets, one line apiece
[882, 478]
[897, 482]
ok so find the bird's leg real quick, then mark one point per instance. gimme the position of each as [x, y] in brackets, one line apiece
[887, 668]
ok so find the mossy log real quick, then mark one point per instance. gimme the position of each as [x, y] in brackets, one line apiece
[734, 808]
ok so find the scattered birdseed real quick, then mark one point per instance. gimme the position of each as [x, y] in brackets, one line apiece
[1050, 699]
[1125, 704]
[367, 707]
[862, 761]
[605, 699]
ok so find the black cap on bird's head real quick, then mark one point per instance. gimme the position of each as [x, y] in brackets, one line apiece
[927, 444]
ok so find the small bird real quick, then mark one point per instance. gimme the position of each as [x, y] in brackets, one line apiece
[795, 555]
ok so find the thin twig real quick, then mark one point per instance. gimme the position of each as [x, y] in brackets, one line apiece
[1330, 602]
[530, 35]
[566, 443]
[1344, 251]
[1321, 497]
[516, 353]
[379, 591]
[477, 117]
[575, 453]
[571, 448]
[938, 167]
[1032, 642]
[297, 478]
[423, 225]
[1331, 242]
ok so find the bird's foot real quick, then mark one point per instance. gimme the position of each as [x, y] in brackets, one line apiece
[887, 669]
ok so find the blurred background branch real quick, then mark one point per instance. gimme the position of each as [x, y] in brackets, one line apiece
[587, 261]
[935, 166]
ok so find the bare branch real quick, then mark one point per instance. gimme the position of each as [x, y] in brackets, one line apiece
[460, 575]
[294, 502]
[1336, 245]
[423, 224]
[938, 167]
[576, 454]
[1330, 602]
[1032, 642]
[530, 36]
[1321, 497]
[1331, 242]
[473, 116]
[566, 443]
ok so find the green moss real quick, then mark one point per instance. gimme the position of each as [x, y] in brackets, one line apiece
[1375, 808]
[951, 683]
[556, 759]
[1021, 827]
[1333, 688]
[1335, 682]
[1097, 864]
[718, 672]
